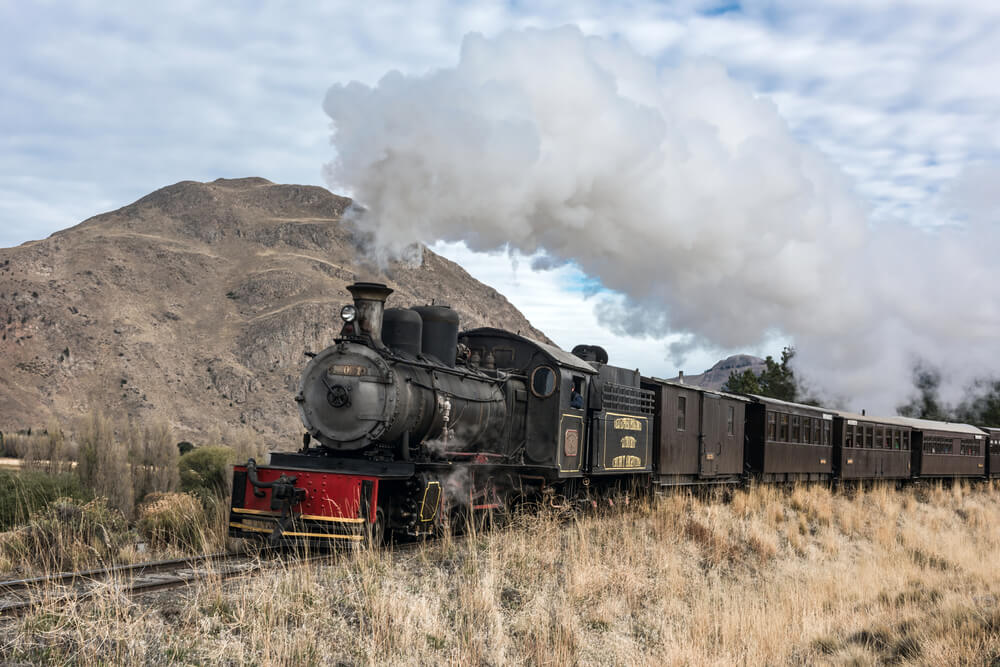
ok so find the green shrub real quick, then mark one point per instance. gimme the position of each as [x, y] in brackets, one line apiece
[24, 493]
[68, 535]
[173, 520]
[207, 471]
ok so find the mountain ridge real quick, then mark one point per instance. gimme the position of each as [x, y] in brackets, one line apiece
[195, 304]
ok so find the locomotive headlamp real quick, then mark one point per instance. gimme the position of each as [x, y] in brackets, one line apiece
[348, 313]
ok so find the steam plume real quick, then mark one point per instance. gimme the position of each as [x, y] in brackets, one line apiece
[675, 186]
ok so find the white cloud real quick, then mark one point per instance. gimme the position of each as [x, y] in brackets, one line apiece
[689, 196]
[556, 301]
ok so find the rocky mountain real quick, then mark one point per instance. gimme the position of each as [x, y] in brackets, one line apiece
[196, 304]
[716, 376]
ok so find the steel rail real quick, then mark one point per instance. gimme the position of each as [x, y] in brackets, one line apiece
[96, 574]
[152, 576]
[174, 573]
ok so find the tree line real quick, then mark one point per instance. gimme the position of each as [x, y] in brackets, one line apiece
[777, 380]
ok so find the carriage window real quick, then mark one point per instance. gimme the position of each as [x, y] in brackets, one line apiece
[681, 412]
[783, 430]
[772, 426]
[879, 437]
[970, 447]
[869, 437]
[543, 382]
[906, 439]
[795, 428]
[895, 439]
[731, 421]
[848, 436]
[816, 427]
[826, 432]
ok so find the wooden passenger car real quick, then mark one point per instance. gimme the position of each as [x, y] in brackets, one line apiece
[993, 457]
[788, 441]
[866, 447]
[942, 449]
[698, 434]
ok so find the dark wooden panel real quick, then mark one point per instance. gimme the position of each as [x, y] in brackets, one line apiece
[679, 432]
[952, 465]
[723, 422]
[784, 457]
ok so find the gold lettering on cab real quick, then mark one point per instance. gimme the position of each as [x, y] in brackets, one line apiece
[571, 442]
[628, 442]
[344, 369]
[626, 462]
[628, 424]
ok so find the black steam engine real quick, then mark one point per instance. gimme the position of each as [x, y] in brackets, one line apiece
[406, 422]
[409, 422]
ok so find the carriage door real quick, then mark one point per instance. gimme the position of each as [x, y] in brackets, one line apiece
[710, 437]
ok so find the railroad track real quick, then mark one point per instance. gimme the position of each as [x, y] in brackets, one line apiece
[19, 596]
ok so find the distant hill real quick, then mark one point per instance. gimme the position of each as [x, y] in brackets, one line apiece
[196, 304]
[717, 375]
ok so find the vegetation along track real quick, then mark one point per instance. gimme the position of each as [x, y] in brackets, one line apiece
[18, 596]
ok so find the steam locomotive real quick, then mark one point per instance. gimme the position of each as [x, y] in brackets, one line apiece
[409, 422]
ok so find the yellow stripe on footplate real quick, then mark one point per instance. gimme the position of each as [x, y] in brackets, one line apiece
[310, 517]
[329, 536]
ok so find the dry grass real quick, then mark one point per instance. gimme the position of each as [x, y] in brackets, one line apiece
[772, 576]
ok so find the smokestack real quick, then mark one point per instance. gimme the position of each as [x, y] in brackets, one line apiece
[680, 376]
[369, 300]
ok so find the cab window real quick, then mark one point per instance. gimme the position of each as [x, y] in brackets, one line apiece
[543, 382]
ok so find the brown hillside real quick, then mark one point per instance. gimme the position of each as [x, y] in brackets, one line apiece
[196, 303]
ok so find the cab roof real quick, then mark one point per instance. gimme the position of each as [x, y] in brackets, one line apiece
[559, 356]
[694, 387]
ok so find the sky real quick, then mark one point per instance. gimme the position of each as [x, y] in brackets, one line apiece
[104, 102]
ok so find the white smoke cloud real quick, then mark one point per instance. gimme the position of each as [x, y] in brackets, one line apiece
[677, 187]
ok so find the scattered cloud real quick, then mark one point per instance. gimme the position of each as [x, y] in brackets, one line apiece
[102, 102]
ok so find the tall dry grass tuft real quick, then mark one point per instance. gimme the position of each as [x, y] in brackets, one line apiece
[68, 535]
[173, 521]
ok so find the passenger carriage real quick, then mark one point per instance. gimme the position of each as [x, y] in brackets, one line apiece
[788, 442]
[993, 458]
[945, 450]
[867, 447]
